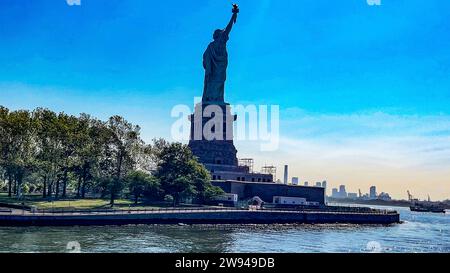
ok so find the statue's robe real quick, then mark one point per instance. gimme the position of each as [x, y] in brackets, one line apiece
[215, 62]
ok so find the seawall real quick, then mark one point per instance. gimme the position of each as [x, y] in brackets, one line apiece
[198, 217]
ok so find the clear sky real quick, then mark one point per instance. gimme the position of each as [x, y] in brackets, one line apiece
[363, 90]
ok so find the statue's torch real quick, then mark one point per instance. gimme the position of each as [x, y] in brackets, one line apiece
[235, 11]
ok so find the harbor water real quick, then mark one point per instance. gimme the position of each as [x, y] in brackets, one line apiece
[419, 232]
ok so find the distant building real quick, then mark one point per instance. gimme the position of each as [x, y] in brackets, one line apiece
[286, 175]
[324, 185]
[266, 191]
[342, 191]
[365, 196]
[292, 201]
[306, 183]
[334, 193]
[295, 180]
[319, 184]
[352, 195]
[229, 199]
[384, 196]
[373, 192]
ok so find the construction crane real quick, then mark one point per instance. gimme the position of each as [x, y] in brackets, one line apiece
[410, 197]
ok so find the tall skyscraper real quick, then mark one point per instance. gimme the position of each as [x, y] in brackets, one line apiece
[373, 192]
[334, 193]
[285, 174]
[342, 191]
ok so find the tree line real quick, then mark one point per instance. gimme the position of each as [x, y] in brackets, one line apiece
[57, 155]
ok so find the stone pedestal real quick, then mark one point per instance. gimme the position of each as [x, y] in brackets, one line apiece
[211, 141]
[211, 138]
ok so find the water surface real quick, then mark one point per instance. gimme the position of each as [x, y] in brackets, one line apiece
[419, 232]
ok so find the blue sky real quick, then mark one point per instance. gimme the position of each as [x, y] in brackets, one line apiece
[342, 72]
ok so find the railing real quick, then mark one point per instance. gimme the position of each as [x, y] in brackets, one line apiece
[335, 209]
[138, 211]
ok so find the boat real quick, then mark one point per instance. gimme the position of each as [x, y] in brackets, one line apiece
[425, 206]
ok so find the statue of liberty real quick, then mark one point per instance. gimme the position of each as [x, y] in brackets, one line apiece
[215, 62]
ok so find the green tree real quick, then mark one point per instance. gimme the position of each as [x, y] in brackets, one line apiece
[120, 153]
[141, 183]
[90, 151]
[22, 150]
[49, 152]
[68, 136]
[5, 148]
[180, 174]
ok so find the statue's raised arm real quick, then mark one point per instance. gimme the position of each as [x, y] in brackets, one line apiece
[215, 62]
[232, 20]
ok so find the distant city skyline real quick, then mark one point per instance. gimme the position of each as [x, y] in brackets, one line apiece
[371, 194]
[363, 90]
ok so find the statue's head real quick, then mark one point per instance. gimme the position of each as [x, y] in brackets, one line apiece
[217, 34]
